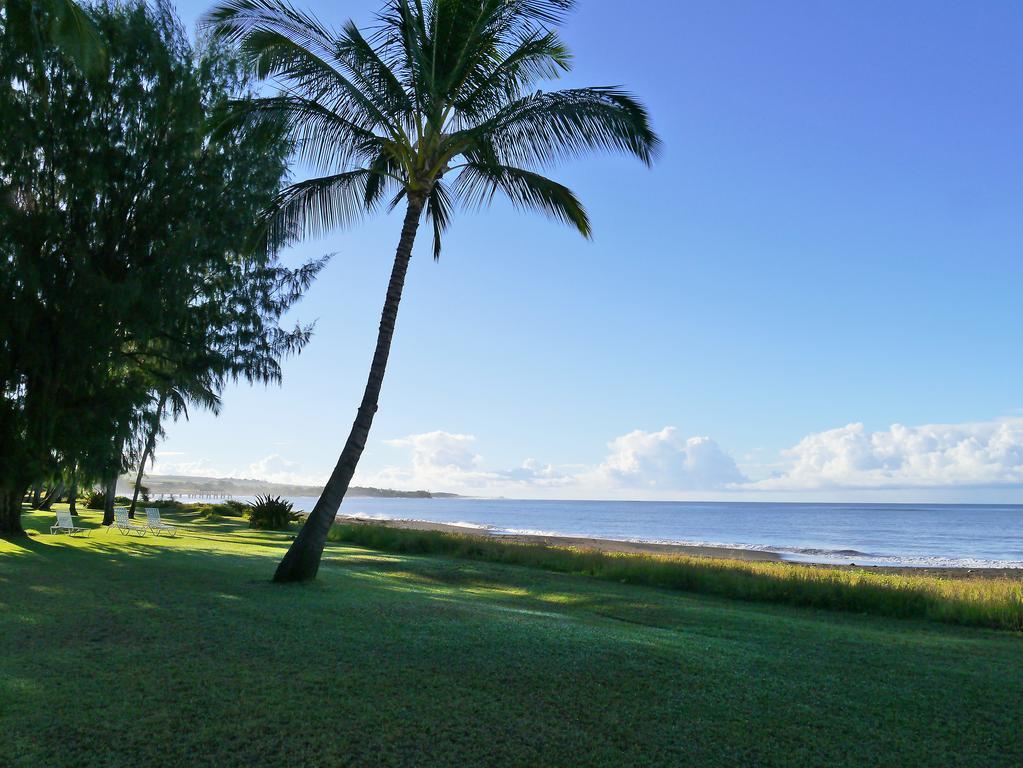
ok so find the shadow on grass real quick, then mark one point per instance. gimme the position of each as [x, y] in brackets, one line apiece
[992, 603]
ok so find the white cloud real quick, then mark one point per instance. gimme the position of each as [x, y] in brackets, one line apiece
[439, 452]
[929, 456]
[638, 461]
[278, 469]
[195, 467]
[954, 461]
[666, 460]
[274, 468]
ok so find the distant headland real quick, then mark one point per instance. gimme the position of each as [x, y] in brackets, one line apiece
[185, 485]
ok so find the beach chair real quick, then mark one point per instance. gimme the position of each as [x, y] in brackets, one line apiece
[65, 524]
[156, 525]
[125, 525]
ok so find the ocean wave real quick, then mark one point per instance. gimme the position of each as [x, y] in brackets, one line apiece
[845, 556]
[394, 519]
[805, 554]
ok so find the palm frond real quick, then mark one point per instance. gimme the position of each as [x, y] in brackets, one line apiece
[312, 207]
[478, 182]
[438, 210]
[546, 127]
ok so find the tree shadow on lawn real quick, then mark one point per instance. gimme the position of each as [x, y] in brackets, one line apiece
[526, 590]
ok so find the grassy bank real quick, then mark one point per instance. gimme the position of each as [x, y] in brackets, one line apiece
[169, 652]
[983, 602]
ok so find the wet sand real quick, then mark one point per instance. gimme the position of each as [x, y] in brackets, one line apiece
[643, 548]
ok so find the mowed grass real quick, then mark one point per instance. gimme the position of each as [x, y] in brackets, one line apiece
[164, 652]
[981, 601]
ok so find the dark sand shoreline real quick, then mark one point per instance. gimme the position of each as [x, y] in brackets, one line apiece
[685, 550]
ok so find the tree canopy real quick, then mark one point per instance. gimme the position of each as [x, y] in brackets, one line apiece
[133, 254]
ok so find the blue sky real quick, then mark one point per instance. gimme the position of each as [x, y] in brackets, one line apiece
[829, 246]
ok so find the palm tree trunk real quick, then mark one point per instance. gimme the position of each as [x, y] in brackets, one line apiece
[150, 445]
[302, 560]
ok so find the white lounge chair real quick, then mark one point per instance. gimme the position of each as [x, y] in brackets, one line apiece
[67, 525]
[156, 525]
[126, 525]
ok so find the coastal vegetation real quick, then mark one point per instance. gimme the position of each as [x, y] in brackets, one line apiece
[184, 648]
[440, 105]
[977, 601]
[136, 275]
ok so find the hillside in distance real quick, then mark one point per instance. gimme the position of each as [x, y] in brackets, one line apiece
[185, 485]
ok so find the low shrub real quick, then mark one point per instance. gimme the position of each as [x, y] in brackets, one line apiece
[238, 508]
[95, 499]
[271, 513]
[984, 602]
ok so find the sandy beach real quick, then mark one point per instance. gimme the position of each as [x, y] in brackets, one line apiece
[646, 548]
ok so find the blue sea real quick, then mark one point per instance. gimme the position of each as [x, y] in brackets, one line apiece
[967, 536]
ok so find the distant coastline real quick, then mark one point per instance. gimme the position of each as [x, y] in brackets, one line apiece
[187, 485]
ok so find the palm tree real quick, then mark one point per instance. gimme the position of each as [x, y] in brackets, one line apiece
[437, 106]
[172, 401]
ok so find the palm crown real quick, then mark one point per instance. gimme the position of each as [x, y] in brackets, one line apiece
[438, 87]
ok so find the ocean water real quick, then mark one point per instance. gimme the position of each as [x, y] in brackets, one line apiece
[968, 536]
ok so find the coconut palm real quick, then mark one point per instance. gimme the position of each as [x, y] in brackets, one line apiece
[437, 106]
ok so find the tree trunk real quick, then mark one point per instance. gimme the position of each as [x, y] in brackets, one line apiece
[109, 491]
[302, 560]
[53, 495]
[10, 512]
[72, 493]
[150, 445]
[110, 485]
[37, 496]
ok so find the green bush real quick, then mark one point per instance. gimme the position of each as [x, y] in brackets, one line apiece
[238, 508]
[95, 499]
[271, 513]
[166, 504]
[205, 511]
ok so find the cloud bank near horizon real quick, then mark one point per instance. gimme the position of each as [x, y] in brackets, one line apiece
[931, 456]
[666, 463]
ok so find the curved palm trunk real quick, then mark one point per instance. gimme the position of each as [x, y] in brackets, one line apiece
[52, 495]
[302, 560]
[150, 445]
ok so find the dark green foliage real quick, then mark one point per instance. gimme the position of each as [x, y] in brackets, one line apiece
[237, 508]
[133, 258]
[95, 499]
[271, 513]
[166, 504]
[978, 602]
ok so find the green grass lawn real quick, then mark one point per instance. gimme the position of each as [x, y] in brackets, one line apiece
[123, 652]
